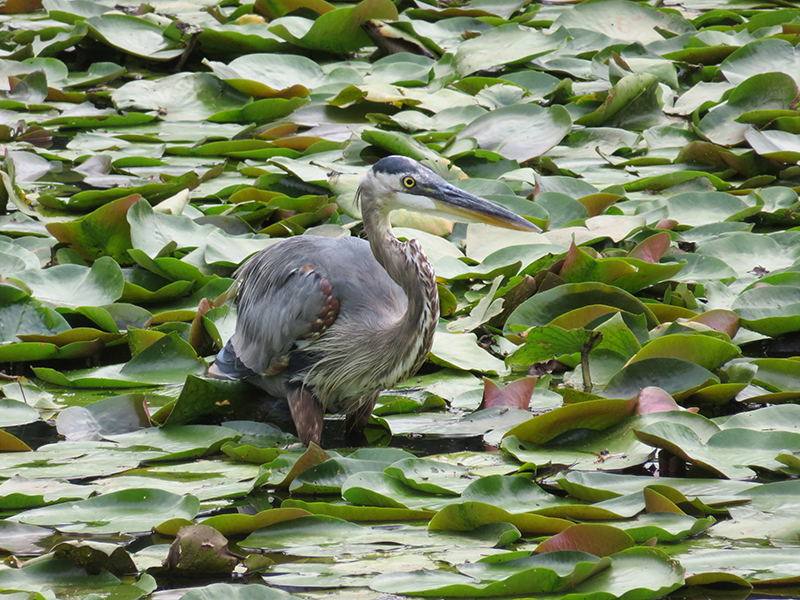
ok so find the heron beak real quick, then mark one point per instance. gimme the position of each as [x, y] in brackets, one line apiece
[454, 201]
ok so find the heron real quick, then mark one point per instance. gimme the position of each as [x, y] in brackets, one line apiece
[328, 323]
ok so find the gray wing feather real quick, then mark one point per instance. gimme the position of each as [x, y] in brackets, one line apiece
[288, 288]
[228, 366]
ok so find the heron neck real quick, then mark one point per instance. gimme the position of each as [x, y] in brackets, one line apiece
[407, 265]
[405, 262]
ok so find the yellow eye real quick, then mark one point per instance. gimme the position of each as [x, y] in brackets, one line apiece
[409, 182]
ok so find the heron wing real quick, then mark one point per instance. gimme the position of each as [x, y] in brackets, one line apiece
[278, 308]
[290, 294]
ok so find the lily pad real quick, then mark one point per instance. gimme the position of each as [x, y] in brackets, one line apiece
[126, 511]
[536, 130]
[133, 35]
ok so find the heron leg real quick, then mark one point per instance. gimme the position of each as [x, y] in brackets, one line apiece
[356, 421]
[307, 414]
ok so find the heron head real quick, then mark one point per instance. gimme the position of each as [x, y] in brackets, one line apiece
[399, 182]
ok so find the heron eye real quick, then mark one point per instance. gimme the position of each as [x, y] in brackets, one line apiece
[409, 182]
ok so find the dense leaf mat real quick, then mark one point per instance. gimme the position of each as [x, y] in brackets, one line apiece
[149, 150]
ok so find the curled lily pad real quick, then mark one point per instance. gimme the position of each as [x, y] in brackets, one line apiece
[595, 538]
[762, 91]
[543, 308]
[592, 414]
[104, 232]
[134, 35]
[14, 412]
[630, 102]
[466, 516]
[706, 351]
[513, 571]
[745, 565]
[270, 75]
[337, 30]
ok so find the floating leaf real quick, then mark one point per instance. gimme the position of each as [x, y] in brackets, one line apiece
[545, 343]
[337, 30]
[133, 35]
[75, 285]
[467, 516]
[600, 540]
[104, 232]
[180, 97]
[270, 75]
[759, 92]
[592, 414]
[535, 131]
[544, 307]
[168, 360]
[129, 510]
[676, 376]
[706, 351]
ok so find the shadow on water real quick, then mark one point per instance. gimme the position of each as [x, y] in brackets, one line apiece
[428, 444]
[733, 592]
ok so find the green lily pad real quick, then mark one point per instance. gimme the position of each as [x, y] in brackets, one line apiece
[545, 343]
[125, 511]
[270, 75]
[592, 414]
[61, 577]
[705, 351]
[226, 591]
[516, 572]
[430, 476]
[180, 441]
[728, 453]
[239, 524]
[133, 35]
[104, 232]
[249, 38]
[612, 448]
[770, 310]
[676, 376]
[641, 24]
[180, 97]
[459, 350]
[168, 360]
[759, 566]
[337, 30]
[466, 516]
[759, 92]
[382, 490]
[536, 130]
[701, 208]
[328, 477]
[544, 307]
[664, 526]
[118, 414]
[507, 44]
[760, 56]
[76, 285]
[316, 530]
[359, 513]
[630, 102]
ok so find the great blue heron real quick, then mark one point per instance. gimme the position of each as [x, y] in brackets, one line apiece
[330, 322]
